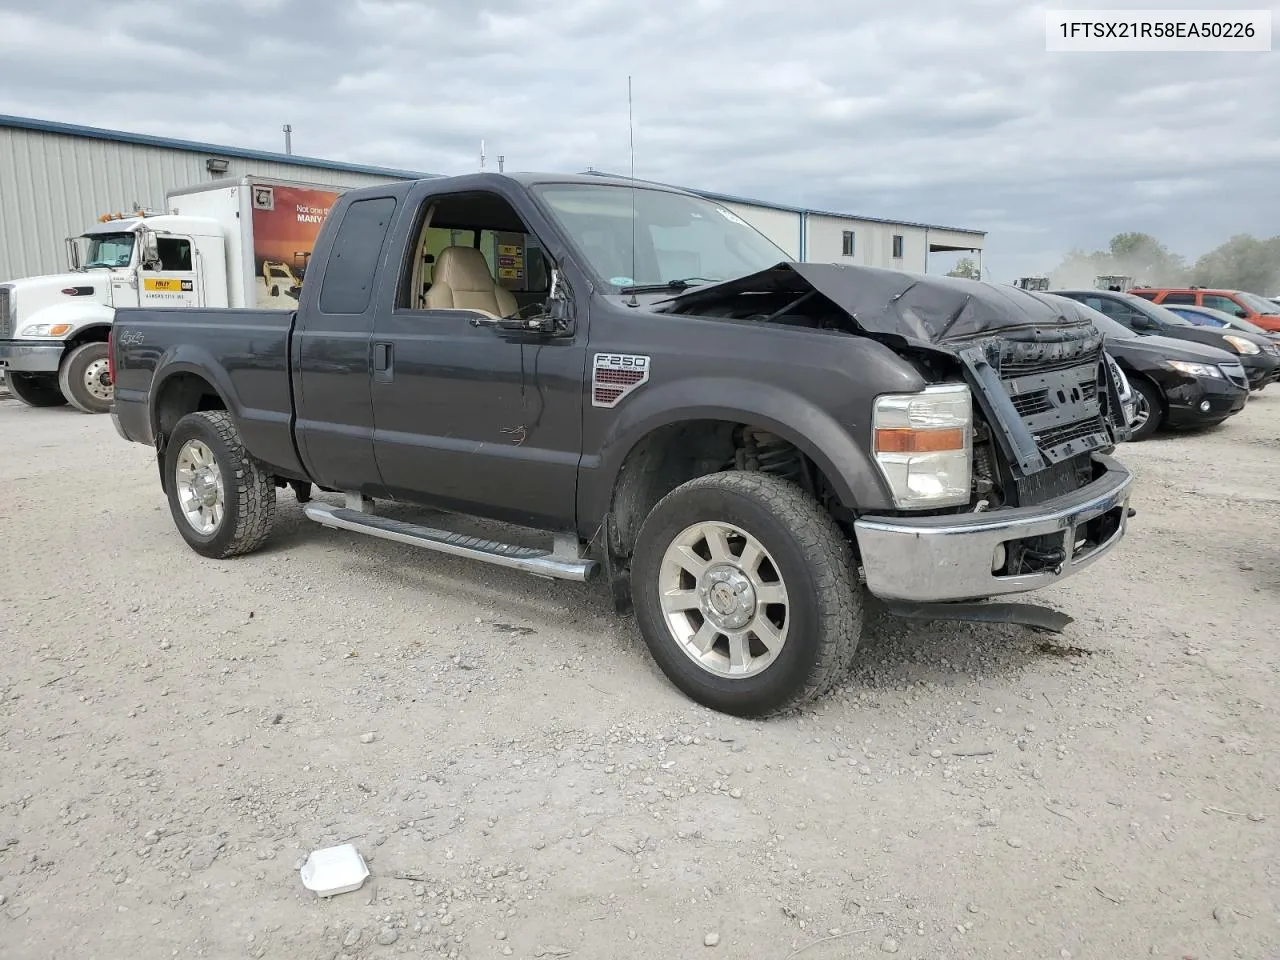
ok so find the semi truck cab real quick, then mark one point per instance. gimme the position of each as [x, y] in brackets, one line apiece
[54, 328]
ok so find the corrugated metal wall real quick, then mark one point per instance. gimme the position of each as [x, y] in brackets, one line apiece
[52, 186]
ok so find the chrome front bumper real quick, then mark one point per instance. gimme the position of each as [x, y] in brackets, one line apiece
[31, 356]
[926, 559]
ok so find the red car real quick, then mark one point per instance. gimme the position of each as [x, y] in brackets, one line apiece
[1247, 306]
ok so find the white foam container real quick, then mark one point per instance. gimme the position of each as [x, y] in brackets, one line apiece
[334, 870]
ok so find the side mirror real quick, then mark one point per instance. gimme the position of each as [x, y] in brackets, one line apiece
[1242, 314]
[150, 250]
[73, 255]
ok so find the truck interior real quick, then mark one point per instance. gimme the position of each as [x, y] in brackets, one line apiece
[474, 252]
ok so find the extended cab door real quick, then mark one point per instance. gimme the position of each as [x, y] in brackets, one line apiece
[331, 346]
[471, 417]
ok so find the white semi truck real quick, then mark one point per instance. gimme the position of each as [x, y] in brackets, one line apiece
[241, 243]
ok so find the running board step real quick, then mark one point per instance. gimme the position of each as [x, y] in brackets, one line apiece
[543, 563]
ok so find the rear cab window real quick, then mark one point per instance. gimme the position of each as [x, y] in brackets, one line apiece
[347, 287]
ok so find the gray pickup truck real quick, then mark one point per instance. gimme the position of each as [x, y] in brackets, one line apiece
[744, 447]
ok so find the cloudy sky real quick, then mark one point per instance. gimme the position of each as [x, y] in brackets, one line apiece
[946, 111]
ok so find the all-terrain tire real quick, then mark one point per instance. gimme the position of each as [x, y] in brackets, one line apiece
[35, 389]
[804, 549]
[1149, 399]
[83, 378]
[248, 491]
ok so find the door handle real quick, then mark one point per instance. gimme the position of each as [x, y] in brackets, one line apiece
[383, 358]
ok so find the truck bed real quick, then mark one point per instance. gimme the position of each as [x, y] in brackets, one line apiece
[244, 352]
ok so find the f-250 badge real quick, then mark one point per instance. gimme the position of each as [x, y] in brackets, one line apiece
[614, 375]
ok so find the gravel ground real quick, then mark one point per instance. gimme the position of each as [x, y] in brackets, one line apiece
[177, 733]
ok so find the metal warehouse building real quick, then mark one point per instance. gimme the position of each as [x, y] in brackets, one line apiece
[57, 178]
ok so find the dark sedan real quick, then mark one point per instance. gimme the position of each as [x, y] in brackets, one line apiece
[1148, 319]
[1176, 383]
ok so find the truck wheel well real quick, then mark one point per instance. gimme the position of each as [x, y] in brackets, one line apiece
[679, 452]
[181, 394]
[88, 335]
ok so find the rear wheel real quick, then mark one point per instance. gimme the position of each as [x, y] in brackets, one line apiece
[35, 389]
[1148, 409]
[85, 378]
[222, 500]
[746, 593]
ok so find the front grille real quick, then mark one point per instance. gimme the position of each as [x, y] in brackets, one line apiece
[1054, 388]
[1235, 373]
[6, 313]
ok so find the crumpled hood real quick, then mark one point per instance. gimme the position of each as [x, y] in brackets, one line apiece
[927, 310]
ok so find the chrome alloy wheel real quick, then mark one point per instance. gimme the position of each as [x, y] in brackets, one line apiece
[97, 380]
[1141, 411]
[200, 489]
[724, 600]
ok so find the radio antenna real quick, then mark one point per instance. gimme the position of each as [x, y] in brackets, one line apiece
[631, 131]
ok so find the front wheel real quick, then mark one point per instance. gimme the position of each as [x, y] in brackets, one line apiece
[35, 389]
[222, 500]
[1148, 410]
[85, 378]
[746, 593]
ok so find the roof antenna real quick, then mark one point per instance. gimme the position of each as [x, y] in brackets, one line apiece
[631, 130]
[482, 155]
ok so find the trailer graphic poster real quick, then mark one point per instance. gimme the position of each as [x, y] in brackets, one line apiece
[286, 222]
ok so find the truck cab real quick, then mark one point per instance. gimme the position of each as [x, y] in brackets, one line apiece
[54, 328]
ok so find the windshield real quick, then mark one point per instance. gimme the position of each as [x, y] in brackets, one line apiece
[677, 237]
[109, 250]
[1159, 313]
[1260, 304]
[1200, 319]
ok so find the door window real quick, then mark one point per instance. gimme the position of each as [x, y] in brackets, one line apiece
[514, 257]
[1225, 304]
[1178, 298]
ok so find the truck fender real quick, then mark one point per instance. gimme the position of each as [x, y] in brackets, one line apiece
[829, 444]
[185, 358]
[79, 314]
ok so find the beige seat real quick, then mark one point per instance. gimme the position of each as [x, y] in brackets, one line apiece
[461, 281]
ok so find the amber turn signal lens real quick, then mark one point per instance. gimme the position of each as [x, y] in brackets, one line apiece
[906, 440]
[58, 329]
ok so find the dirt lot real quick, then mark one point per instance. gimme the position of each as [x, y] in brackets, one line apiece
[176, 733]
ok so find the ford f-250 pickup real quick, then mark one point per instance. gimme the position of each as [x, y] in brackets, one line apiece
[745, 447]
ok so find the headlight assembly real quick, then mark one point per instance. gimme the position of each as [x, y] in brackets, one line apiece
[1197, 369]
[45, 330]
[923, 444]
[1246, 347]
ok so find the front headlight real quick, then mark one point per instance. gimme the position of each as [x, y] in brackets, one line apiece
[1246, 347]
[923, 444]
[1196, 369]
[45, 330]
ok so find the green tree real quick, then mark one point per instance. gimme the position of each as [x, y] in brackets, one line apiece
[1143, 257]
[966, 269]
[1242, 263]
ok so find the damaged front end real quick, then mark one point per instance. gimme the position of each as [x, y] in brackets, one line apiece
[1046, 496]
